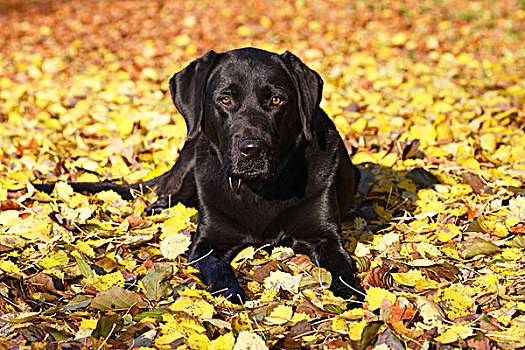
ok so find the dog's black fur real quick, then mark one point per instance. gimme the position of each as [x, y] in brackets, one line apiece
[263, 164]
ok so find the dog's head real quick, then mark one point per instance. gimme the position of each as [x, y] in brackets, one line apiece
[250, 103]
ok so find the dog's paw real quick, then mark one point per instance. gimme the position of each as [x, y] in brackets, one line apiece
[231, 290]
[234, 294]
[348, 290]
[156, 207]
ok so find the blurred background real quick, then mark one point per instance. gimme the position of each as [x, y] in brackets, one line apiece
[392, 69]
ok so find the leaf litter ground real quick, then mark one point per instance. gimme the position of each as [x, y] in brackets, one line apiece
[428, 96]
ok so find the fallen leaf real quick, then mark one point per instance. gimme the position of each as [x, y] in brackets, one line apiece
[116, 298]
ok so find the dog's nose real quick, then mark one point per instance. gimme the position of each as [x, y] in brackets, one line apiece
[252, 148]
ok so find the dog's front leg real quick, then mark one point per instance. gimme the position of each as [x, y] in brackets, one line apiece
[330, 254]
[215, 273]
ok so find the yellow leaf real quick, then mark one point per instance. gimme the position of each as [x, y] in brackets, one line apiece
[359, 125]
[428, 250]
[269, 295]
[486, 284]
[45, 30]
[104, 282]
[448, 232]
[167, 338]
[389, 160]
[124, 124]
[459, 190]
[282, 280]
[85, 248]
[244, 31]
[504, 315]
[174, 245]
[424, 132]
[353, 314]
[299, 316]
[248, 340]
[280, 315]
[119, 167]
[339, 325]
[282, 253]
[245, 254]
[342, 125]
[426, 284]
[387, 241]
[86, 163]
[88, 177]
[511, 338]
[90, 323]
[443, 132]
[511, 254]
[49, 263]
[492, 225]
[409, 278]
[194, 293]
[3, 192]
[422, 99]
[8, 218]
[355, 331]
[375, 296]
[242, 322]
[455, 301]
[509, 222]
[363, 157]
[193, 307]
[451, 251]
[183, 39]
[53, 65]
[63, 191]
[223, 342]
[442, 107]
[179, 220]
[186, 325]
[152, 74]
[489, 142]
[399, 39]
[53, 124]
[8, 266]
[454, 333]
[430, 312]
[35, 227]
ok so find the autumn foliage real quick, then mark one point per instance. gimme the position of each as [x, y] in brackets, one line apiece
[428, 95]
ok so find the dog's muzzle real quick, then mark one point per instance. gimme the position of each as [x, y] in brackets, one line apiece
[252, 160]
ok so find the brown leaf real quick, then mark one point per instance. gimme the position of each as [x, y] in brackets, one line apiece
[401, 310]
[477, 246]
[476, 182]
[9, 204]
[116, 298]
[46, 283]
[376, 277]
[10, 242]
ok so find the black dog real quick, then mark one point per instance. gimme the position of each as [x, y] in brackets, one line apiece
[262, 163]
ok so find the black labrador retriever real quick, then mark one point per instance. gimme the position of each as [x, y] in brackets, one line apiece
[263, 164]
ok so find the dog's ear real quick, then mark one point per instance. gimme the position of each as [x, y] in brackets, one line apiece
[187, 89]
[309, 87]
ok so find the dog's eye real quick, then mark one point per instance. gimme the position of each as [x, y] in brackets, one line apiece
[226, 100]
[276, 100]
